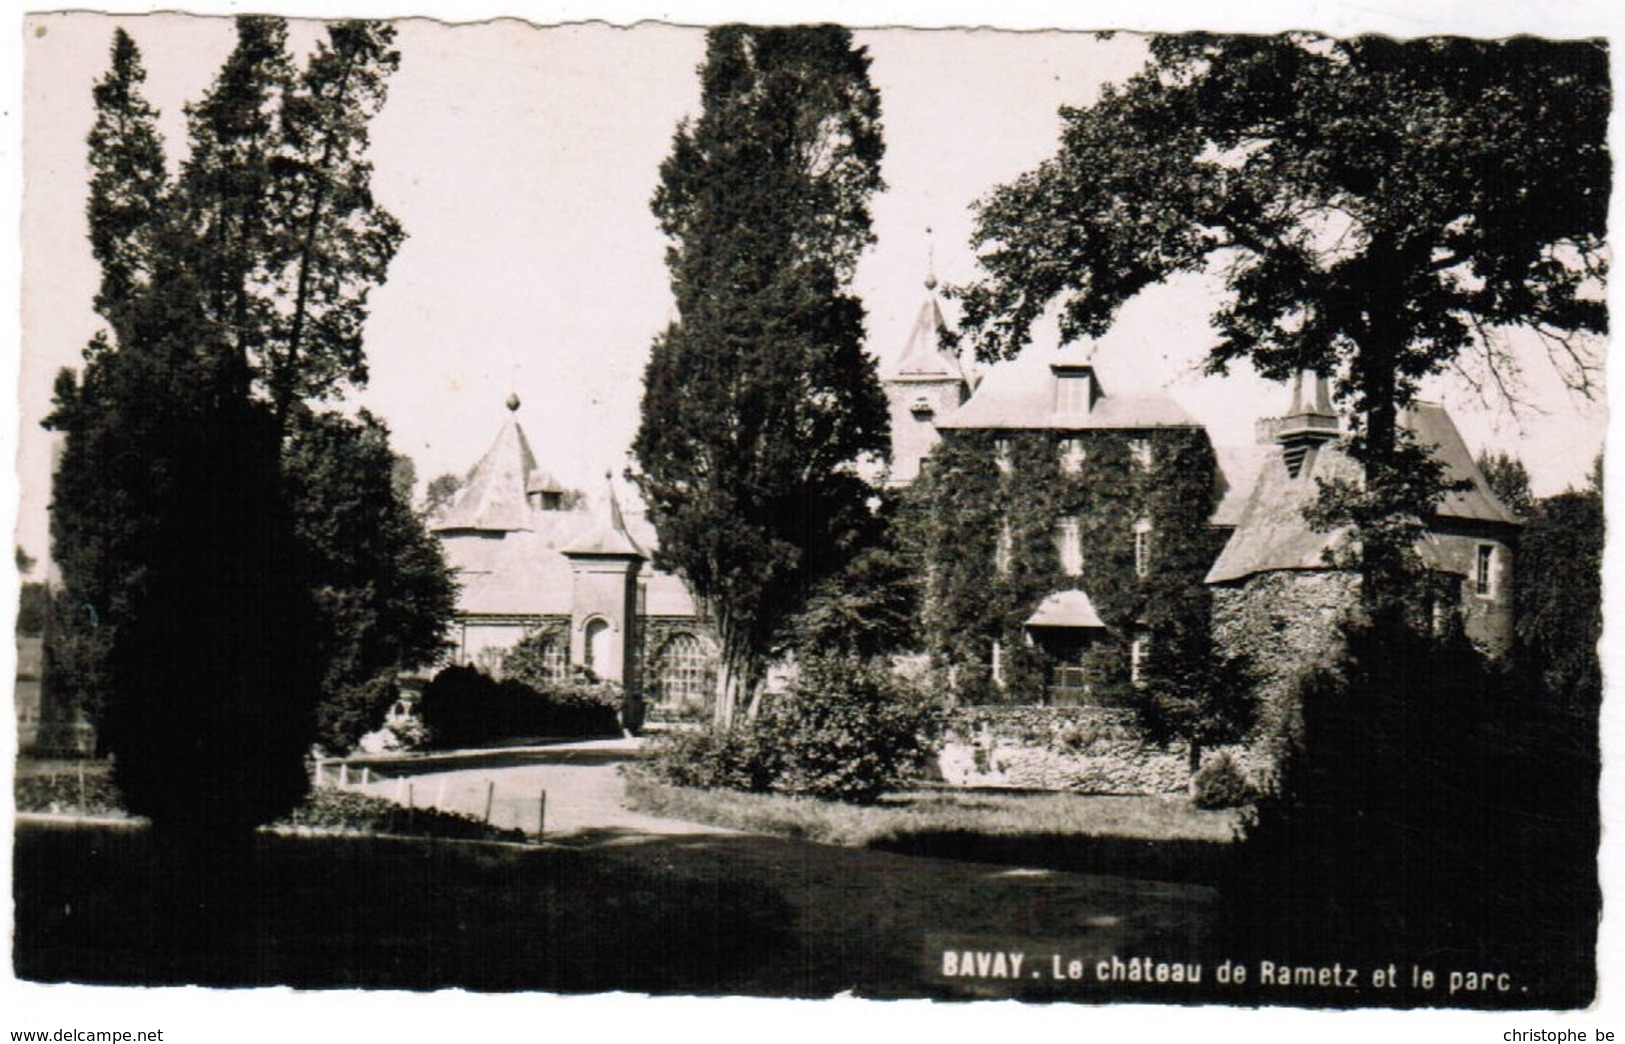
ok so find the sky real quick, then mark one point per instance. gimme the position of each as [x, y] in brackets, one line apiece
[521, 161]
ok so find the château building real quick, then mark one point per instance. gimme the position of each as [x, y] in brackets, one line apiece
[1076, 542]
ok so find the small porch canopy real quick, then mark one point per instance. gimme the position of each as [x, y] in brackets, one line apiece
[1066, 609]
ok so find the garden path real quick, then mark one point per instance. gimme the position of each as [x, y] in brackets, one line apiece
[585, 791]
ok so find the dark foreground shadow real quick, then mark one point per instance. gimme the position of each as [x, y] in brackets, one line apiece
[108, 906]
[1191, 862]
[683, 913]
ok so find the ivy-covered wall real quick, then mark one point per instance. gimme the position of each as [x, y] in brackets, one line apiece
[979, 484]
[1281, 624]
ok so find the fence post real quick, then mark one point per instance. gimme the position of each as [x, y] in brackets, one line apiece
[541, 818]
[490, 792]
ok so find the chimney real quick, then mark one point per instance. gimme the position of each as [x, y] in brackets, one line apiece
[1309, 424]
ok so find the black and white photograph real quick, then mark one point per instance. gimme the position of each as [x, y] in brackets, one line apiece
[1095, 520]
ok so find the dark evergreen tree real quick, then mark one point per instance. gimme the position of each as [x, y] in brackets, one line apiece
[758, 399]
[187, 619]
[284, 235]
[1557, 593]
[1381, 210]
[384, 593]
[95, 510]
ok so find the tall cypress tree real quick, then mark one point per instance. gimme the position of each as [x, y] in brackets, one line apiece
[758, 400]
[172, 520]
[94, 520]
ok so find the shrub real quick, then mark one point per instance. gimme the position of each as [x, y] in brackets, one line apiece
[732, 759]
[464, 707]
[846, 730]
[343, 717]
[1221, 783]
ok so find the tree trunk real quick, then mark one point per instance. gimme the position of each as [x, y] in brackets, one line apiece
[1377, 373]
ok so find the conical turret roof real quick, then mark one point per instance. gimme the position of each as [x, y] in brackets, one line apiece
[493, 499]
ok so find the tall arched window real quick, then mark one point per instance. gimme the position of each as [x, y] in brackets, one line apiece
[595, 650]
[685, 672]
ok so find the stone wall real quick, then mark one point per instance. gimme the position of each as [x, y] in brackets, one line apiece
[1090, 750]
[1279, 624]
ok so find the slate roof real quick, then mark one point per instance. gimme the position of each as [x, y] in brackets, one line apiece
[923, 358]
[1271, 533]
[510, 558]
[607, 536]
[493, 498]
[1021, 396]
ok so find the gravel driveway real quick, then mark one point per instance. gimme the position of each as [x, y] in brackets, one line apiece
[582, 782]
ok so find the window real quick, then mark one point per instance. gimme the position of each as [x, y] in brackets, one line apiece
[1072, 393]
[1003, 549]
[555, 658]
[1138, 649]
[1072, 455]
[1142, 547]
[596, 648]
[1140, 451]
[1484, 571]
[1069, 546]
[684, 672]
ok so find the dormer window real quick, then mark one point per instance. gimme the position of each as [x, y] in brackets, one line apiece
[1073, 391]
[921, 407]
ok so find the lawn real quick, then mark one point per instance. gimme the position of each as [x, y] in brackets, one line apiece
[1153, 836]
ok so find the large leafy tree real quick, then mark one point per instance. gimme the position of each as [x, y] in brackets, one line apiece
[1381, 211]
[232, 294]
[758, 399]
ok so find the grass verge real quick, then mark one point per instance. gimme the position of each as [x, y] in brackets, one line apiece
[1145, 836]
[86, 788]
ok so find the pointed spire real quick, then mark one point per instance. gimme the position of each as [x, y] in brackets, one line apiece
[616, 521]
[608, 537]
[922, 357]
